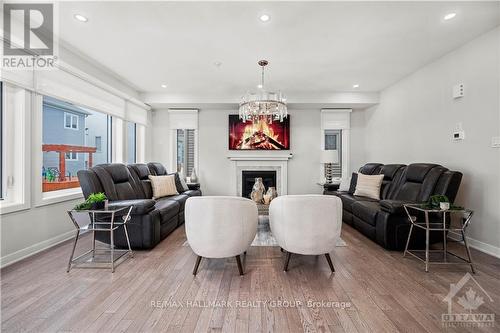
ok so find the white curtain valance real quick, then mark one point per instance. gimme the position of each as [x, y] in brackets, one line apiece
[21, 78]
[335, 119]
[136, 114]
[61, 84]
[70, 86]
[183, 118]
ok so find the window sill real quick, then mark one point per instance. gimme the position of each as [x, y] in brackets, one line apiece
[11, 207]
[54, 197]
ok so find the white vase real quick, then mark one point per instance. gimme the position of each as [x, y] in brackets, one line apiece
[194, 177]
[258, 189]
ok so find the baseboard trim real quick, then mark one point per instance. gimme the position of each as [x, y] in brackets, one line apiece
[34, 249]
[478, 245]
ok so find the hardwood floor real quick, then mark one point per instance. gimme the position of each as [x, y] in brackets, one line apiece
[156, 292]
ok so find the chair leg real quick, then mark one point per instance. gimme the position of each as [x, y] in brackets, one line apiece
[240, 267]
[198, 260]
[287, 260]
[327, 255]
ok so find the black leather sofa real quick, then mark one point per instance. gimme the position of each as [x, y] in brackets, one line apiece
[128, 185]
[385, 220]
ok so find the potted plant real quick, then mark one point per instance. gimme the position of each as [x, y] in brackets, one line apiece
[441, 202]
[94, 201]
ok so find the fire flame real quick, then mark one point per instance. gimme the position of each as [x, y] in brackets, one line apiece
[261, 126]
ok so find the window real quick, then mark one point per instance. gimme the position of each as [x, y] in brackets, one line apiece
[65, 152]
[71, 156]
[70, 121]
[131, 142]
[185, 150]
[333, 141]
[98, 143]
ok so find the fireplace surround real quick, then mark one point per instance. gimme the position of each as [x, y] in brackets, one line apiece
[262, 162]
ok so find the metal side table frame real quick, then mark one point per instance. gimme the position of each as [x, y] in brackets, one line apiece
[98, 226]
[439, 226]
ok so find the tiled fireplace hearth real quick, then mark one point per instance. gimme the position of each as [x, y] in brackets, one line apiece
[279, 164]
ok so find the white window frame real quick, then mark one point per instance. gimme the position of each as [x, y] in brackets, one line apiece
[17, 149]
[135, 140]
[72, 117]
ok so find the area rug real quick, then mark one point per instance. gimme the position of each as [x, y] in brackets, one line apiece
[264, 236]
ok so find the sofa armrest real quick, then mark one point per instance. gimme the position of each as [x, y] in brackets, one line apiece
[331, 187]
[394, 206]
[193, 186]
[141, 206]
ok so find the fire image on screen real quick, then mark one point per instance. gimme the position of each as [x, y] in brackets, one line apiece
[260, 135]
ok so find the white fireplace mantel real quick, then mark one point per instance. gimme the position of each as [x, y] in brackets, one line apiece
[275, 162]
[259, 158]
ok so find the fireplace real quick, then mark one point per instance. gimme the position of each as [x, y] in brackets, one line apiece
[248, 180]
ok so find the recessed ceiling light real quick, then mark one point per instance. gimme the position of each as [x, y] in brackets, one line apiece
[265, 17]
[80, 18]
[259, 86]
[355, 86]
[217, 63]
[163, 85]
[449, 16]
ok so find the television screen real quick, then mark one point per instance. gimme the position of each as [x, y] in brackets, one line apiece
[260, 135]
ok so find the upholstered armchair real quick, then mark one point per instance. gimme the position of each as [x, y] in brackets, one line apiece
[306, 224]
[220, 227]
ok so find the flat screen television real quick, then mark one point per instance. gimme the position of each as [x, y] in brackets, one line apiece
[260, 135]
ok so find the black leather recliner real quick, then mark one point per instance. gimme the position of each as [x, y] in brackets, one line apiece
[152, 220]
[385, 220]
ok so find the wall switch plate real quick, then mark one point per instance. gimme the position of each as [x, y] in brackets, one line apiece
[458, 135]
[495, 142]
[458, 90]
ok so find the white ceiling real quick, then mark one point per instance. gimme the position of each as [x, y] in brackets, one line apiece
[313, 47]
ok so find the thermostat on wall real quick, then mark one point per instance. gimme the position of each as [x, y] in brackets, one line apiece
[458, 135]
[458, 90]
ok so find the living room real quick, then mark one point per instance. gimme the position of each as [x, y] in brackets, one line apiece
[250, 166]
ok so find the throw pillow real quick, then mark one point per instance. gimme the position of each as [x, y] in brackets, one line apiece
[369, 186]
[163, 186]
[183, 184]
[180, 184]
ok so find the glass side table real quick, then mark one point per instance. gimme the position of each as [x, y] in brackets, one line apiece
[92, 258]
[438, 224]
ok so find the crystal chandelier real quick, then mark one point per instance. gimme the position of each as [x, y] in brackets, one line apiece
[264, 104]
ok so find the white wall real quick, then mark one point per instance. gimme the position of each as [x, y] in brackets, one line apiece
[215, 167]
[416, 117]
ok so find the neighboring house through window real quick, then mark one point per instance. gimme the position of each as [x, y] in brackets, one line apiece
[65, 152]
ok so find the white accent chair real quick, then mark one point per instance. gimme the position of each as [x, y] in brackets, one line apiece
[306, 224]
[220, 227]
